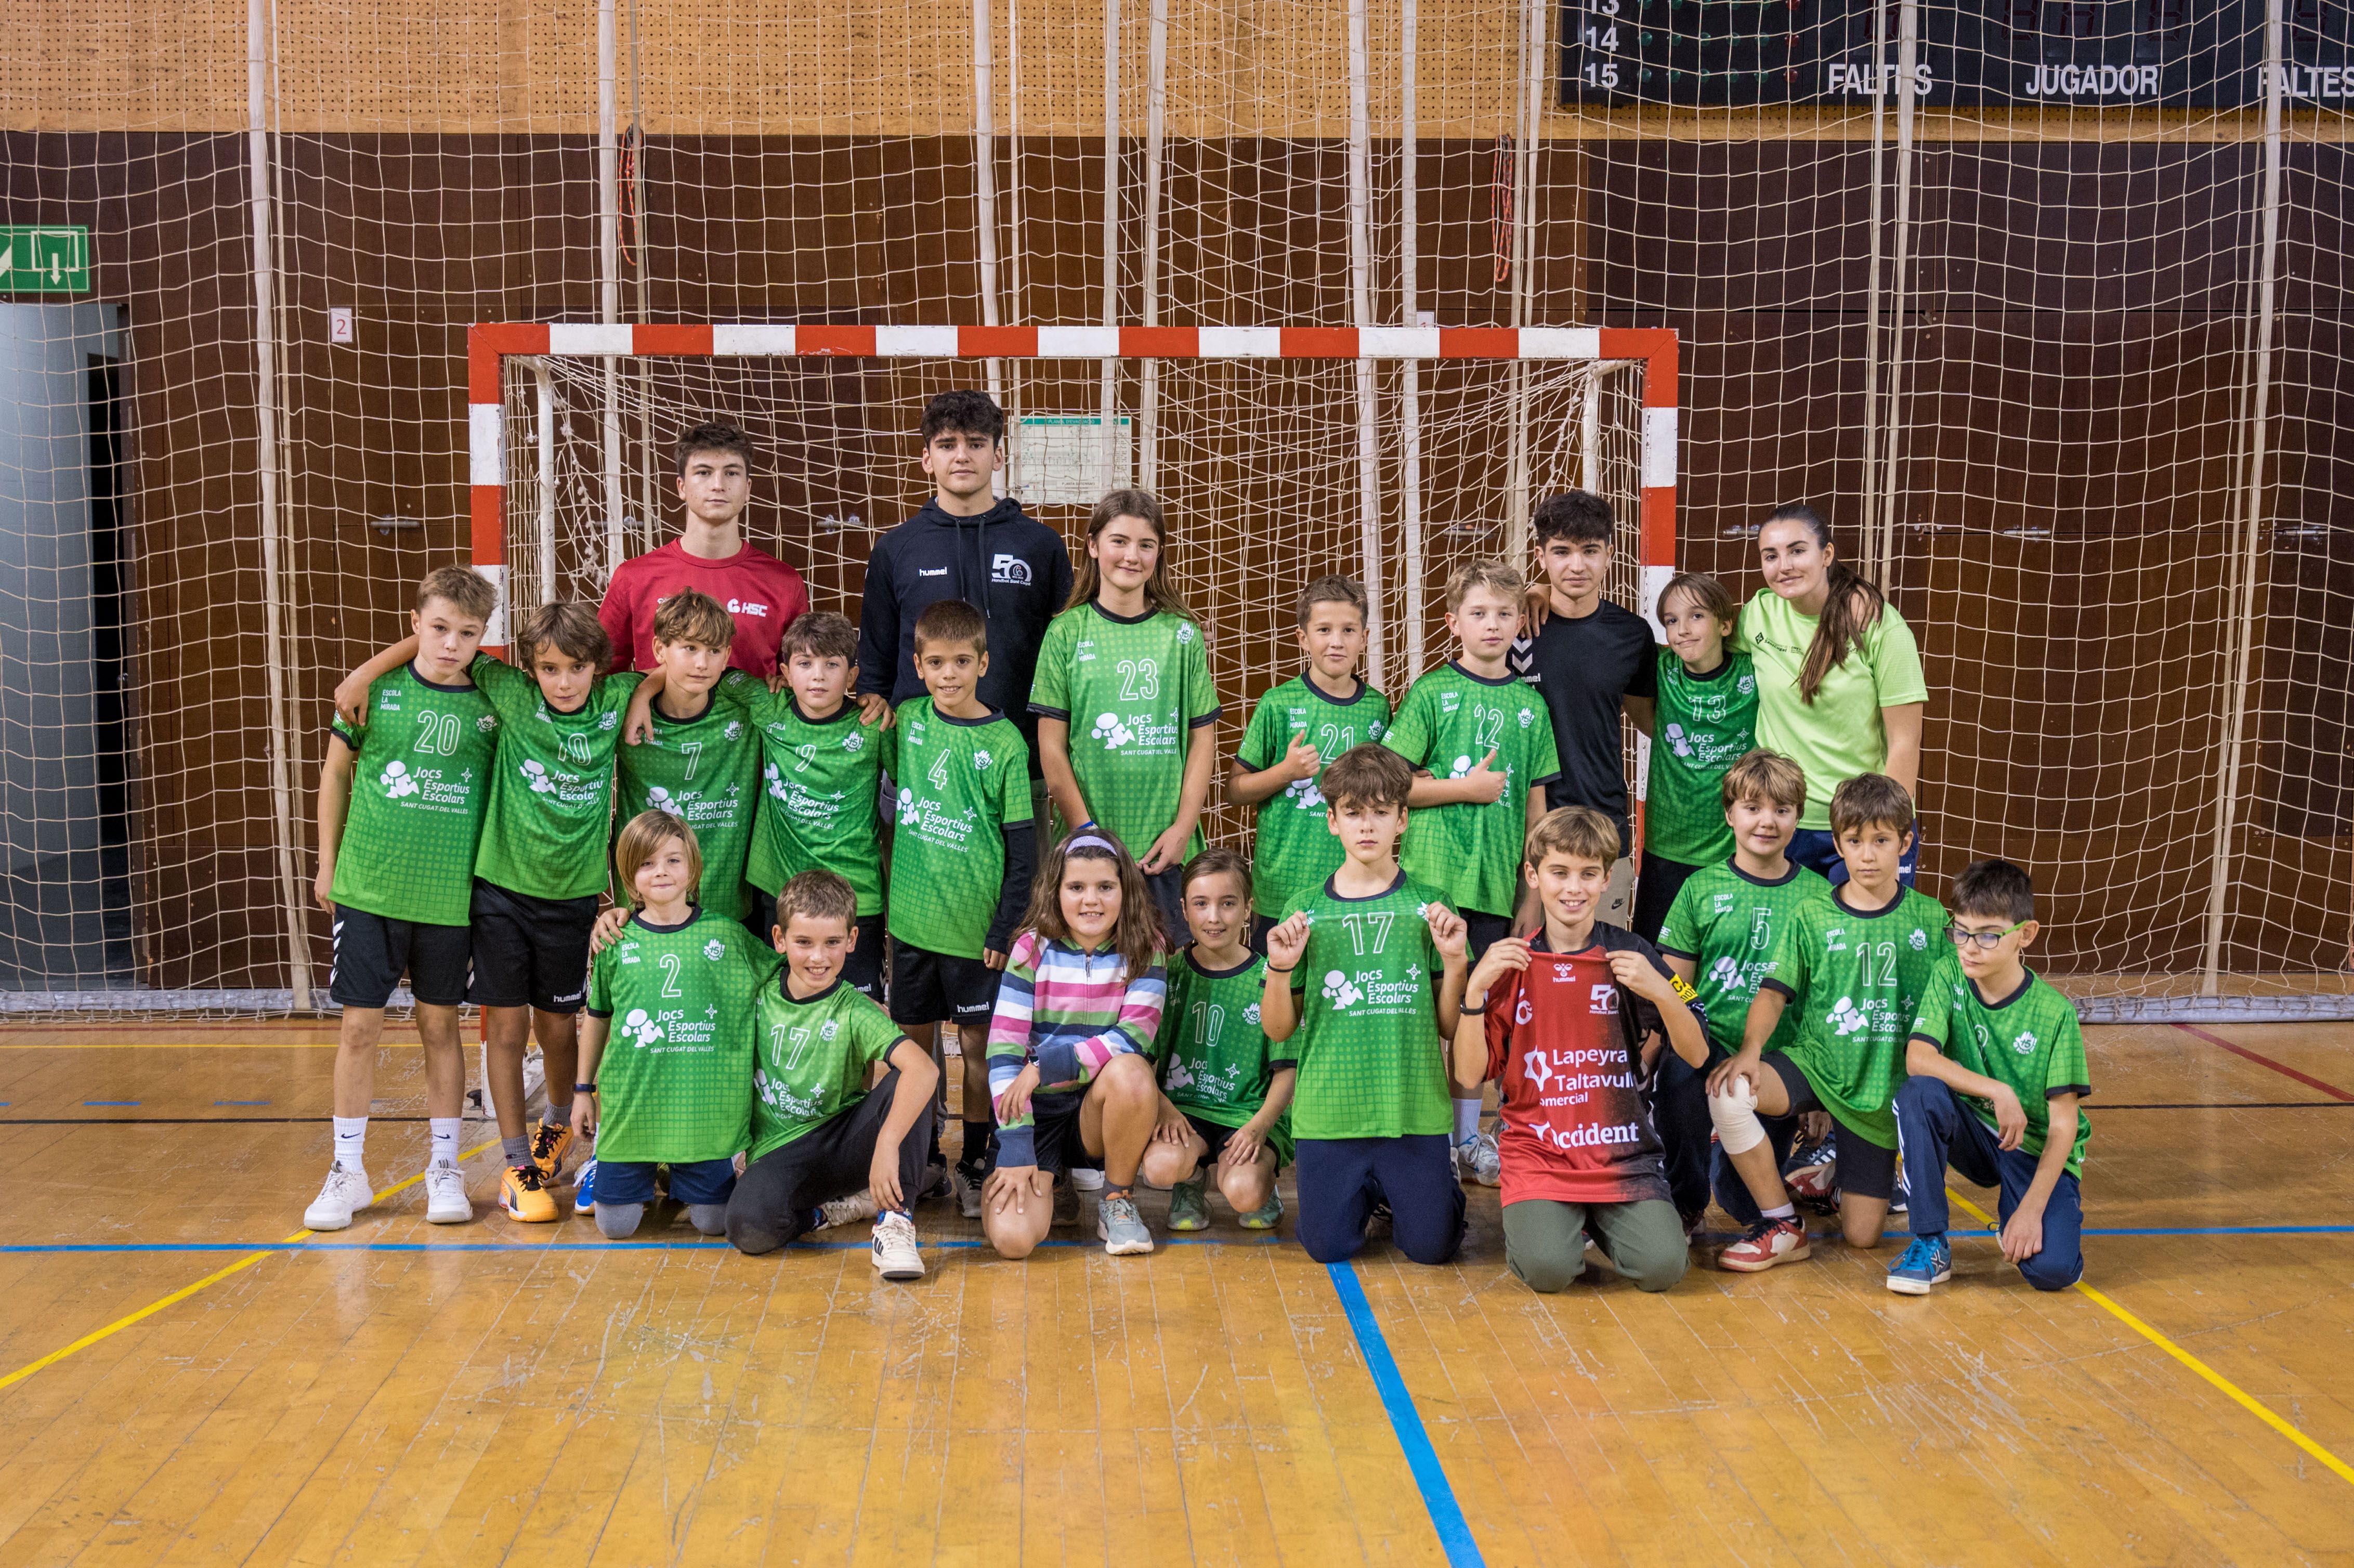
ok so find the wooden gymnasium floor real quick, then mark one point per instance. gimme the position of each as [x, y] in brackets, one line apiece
[186, 1377]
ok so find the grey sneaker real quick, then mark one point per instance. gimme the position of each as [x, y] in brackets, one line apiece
[859, 1205]
[1122, 1227]
[1066, 1202]
[1487, 1162]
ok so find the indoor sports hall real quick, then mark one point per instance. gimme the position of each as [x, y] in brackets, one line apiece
[2020, 323]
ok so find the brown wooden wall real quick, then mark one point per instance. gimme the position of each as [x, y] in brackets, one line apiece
[2075, 314]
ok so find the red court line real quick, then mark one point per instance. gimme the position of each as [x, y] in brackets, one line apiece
[2287, 1072]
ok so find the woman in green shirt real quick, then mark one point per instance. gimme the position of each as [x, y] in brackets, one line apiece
[1839, 687]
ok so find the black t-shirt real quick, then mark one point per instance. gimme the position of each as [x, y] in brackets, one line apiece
[1583, 669]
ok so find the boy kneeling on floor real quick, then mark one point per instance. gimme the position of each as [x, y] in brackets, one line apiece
[1572, 1020]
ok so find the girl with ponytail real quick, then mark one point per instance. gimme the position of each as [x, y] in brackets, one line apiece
[1839, 686]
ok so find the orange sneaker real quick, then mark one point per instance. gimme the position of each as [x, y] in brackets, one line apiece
[548, 1145]
[523, 1194]
[1767, 1243]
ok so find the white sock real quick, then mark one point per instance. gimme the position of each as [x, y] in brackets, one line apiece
[351, 1141]
[1786, 1211]
[445, 1140]
[1466, 1120]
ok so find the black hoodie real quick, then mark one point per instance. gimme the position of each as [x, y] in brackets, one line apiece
[1015, 569]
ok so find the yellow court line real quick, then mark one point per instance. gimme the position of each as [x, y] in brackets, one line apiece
[2240, 1396]
[248, 1261]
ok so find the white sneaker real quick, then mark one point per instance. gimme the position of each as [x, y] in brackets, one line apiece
[445, 1202]
[1487, 1162]
[346, 1193]
[1088, 1180]
[859, 1205]
[894, 1248]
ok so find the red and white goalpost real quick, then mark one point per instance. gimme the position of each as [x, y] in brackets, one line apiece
[1389, 454]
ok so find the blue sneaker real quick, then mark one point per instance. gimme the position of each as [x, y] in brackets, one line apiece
[584, 1192]
[1928, 1261]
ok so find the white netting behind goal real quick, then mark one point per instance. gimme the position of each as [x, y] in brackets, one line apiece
[1257, 461]
[2063, 359]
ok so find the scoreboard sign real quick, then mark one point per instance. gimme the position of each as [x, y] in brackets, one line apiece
[2074, 53]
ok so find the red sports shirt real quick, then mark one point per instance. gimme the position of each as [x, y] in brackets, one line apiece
[1575, 1129]
[760, 591]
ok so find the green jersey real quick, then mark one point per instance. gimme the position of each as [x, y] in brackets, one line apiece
[1449, 720]
[552, 788]
[1371, 1062]
[420, 782]
[675, 1082]
[963, 782]
[811, 1056]
[2030, 1040]
[1723, 922]
[819, 782]
[1133, 690]
[703, 772]
[1296, 849]
[1856, 983]
[1704, 725]
[1214, 1059]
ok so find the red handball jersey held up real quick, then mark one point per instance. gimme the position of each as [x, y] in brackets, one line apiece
[1563, 1037]
[763, 594]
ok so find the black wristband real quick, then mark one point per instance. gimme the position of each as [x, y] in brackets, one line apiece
[1467, 1007]
[584, 1089]
[1273, 971]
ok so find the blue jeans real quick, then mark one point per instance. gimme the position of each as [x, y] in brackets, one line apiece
[1938, 1130]
[1817, 849]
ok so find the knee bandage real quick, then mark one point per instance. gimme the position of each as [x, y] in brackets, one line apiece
[1734, 1113]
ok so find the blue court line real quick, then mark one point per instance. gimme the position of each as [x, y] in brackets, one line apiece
[1437, 1497]
[711, 1244]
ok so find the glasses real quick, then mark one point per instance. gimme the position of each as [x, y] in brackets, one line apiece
[1986, 941]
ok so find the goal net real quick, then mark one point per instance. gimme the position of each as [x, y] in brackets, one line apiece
[1274, 471]
[2043, 304]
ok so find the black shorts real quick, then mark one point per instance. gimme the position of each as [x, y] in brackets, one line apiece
[1865, 1169]
[1054, 1121]
[530, 953]
[372, 952]
[1217, 1135]
[1482, 932]
[863, 968]
[940, 988]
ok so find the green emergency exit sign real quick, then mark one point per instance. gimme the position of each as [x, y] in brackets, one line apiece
[44, 259]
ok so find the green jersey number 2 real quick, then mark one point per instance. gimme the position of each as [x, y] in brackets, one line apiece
[1139, 680]
[438, 733]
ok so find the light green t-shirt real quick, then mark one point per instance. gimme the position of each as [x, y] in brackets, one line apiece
[1856, 982]
[701, 771]
[963, 782]
[420, 783]
[810, 1057]
[1723, 920]
[1297, 849]
[551, 811]
[1704, 725]
[819, 779]
[1133, 691]
[1450, 719]
[1839, 735]
[2029, 1040]
[675, 1083]
[1371, 1062]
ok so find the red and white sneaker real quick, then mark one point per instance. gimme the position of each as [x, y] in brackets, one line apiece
[1814, 1183]
[1767, 1243]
